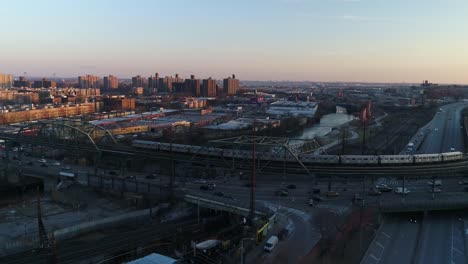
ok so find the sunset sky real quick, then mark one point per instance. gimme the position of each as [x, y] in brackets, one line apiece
[316, 40]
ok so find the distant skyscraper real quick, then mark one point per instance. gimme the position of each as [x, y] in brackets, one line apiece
[230, 85]
[44, 83]
[88, 81]
[192, 86]
[6, 81]
[209, 88]
[110, 82]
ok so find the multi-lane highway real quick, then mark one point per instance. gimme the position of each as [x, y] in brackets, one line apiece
[434, 237]
[445, 131]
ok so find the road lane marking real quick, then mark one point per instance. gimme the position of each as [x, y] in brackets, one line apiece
[385, 234]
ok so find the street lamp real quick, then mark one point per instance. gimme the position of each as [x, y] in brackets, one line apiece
[242, 248]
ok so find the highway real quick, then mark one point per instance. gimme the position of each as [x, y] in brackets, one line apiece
[436, 237]
[445, 132]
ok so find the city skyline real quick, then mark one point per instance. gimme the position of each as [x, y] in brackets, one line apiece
[334, 40]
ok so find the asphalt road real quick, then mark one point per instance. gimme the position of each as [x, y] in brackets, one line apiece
[444, 133]
[436, 237]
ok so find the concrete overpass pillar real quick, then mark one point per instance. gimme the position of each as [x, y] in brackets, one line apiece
[50, 184]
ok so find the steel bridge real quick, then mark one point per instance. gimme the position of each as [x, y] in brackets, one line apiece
[84, 137]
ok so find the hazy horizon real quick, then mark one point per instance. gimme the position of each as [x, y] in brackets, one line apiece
[266, 40]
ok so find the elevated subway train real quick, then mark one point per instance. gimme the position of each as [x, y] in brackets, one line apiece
[353, 160]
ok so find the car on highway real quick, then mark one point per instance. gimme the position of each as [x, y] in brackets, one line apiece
[283, 234]
[374, 192]
[412, 219]
[282, 192]
[222, 194]
[42, 161]
[464, 182]
[383, 187]
[436, 190]
[151, 176]
[66, 168]
[218, 193]
[311, 202]
[44, 165]
[357, 197]
[435, 183]
[317, 198]
[332, 194]
[55, 163]
[206, 187]
[291, 186]
[200, 181]
[401, 190]
[211, 185]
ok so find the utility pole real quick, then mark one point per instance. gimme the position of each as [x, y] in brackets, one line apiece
[252, 181]
[363, 150]
[343, 142]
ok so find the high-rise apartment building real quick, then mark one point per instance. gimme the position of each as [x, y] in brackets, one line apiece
[208, 88]
[192, 86]
[110, 82]
[22, 82]
[88, 81]
[153, 84]
[6, 81]
[139, 81]
[44, 83]
[230, 85]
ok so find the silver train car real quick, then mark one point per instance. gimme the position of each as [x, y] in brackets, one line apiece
[360, 160]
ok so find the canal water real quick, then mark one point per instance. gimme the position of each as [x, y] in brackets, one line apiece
[326, 125]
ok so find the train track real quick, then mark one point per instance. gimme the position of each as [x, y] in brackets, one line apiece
[71, 251]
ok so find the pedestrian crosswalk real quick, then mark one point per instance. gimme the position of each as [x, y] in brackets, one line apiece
[334, 208]
[388, 181]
